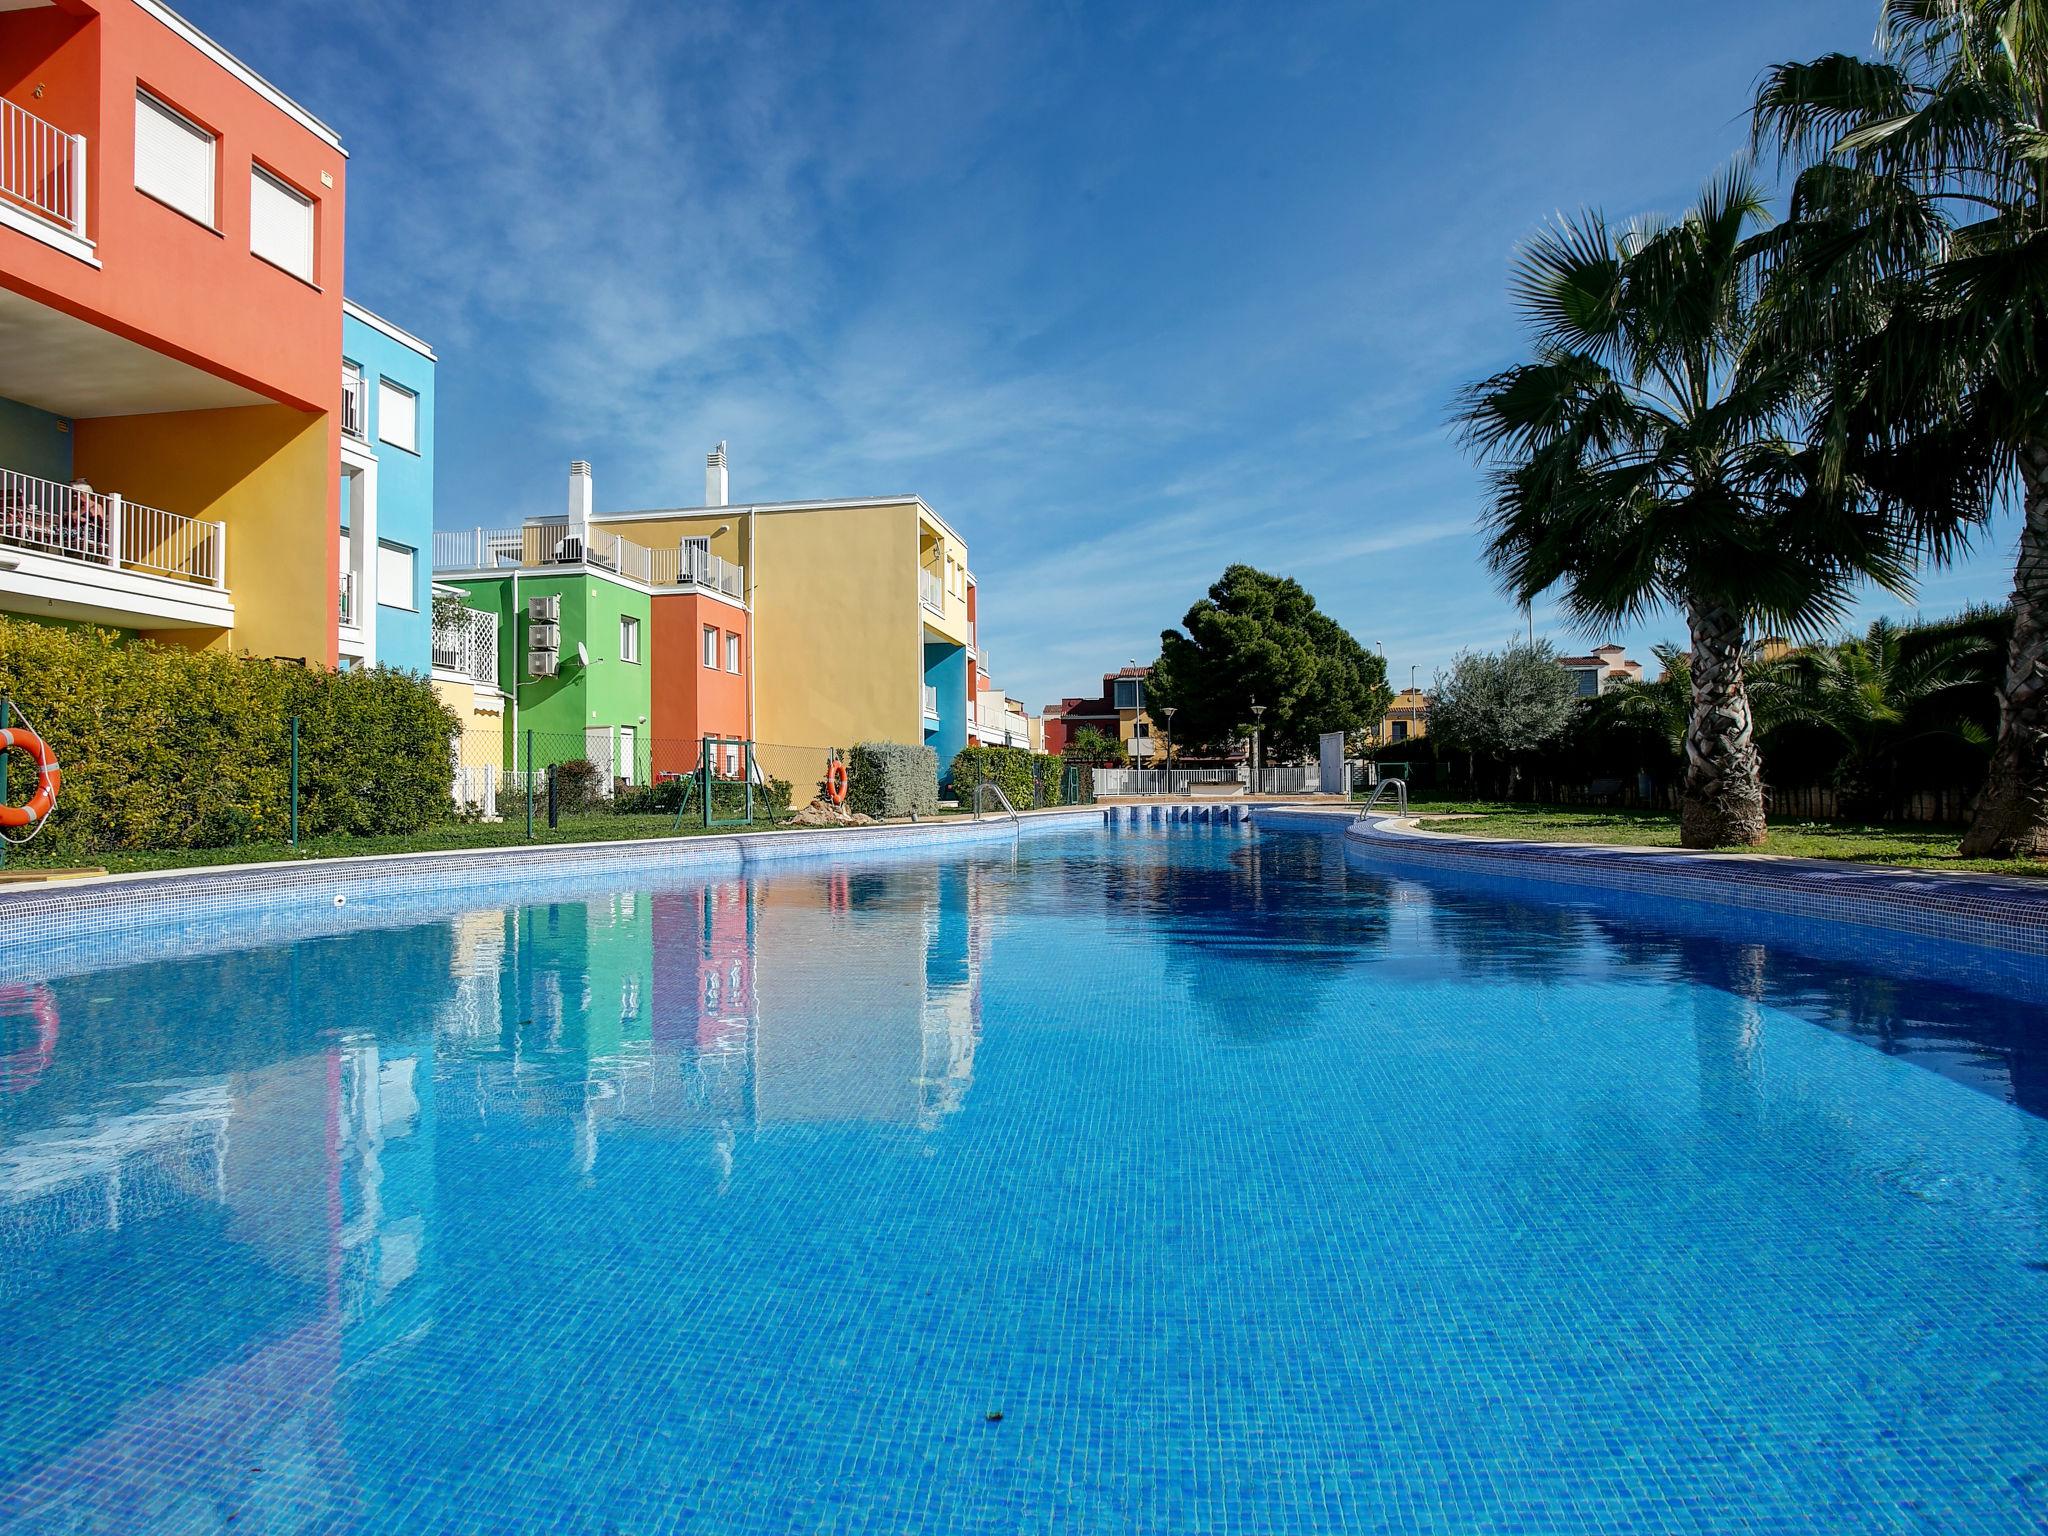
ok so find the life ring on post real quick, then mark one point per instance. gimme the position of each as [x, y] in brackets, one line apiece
[835, 781]
[48, 779]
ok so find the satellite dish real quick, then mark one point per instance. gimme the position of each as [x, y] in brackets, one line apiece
[582, 654]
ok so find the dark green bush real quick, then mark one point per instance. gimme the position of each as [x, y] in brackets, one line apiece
[578, 786]
[168, 748]
[1030, 779]
[728, 798]
[890, 778]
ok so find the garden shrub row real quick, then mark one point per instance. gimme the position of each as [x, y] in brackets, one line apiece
[1032, 780]
[892, 778]
[164, 747]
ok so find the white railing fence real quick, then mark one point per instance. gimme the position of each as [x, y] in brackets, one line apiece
[1164, 781]
[931, 701]
[348, 597]
[931, 591]
[467, 643]
[691, 565]
[477, 549]
[354, 420]
[42, 167]
[76, 523]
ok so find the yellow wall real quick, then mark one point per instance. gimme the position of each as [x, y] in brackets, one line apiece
[935, 548]
[481, 733]
[267, 471]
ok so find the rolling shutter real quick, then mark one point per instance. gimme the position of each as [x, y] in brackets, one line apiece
[280, 224]
[398, 412]
[173, 159]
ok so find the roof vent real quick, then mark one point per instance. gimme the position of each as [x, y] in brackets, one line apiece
[714, 477]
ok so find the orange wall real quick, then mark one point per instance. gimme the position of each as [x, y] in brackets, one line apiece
[688, 700]
[195, 293]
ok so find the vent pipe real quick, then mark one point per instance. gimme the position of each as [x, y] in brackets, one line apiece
[714, 477]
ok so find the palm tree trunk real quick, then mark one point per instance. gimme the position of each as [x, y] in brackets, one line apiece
[2011, 816]
[1723, 802]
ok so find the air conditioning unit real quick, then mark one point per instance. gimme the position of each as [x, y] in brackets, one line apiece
[544, 637]
[542, 663]
[569, 552]
[544, 610]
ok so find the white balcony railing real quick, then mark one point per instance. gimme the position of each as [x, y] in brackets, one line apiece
[466, 643]
[547, 542]
[348, 597]
[75, 523]
[931, 702]
[931, 591]
[355, 421]
[42, 168]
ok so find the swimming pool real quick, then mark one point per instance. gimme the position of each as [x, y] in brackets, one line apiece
[1147, 1179]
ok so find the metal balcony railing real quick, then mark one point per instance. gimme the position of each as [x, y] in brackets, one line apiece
[75, 523]
[42, 168]
[355, 420]
[931, 591]
[348, 597]
[546, 541]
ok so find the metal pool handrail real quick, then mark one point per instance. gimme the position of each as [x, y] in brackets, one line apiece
[985, 787]
[1398, 786]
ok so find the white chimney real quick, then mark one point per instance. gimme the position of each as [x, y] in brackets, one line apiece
[714, 477]
[580, 503]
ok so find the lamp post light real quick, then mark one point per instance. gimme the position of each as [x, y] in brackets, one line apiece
[1258, 761]
[1168, 712]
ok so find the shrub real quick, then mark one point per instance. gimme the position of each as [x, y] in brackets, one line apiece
[1030, 779]
[578, 786]
[168, 748]
[728, 798]
[891, 778]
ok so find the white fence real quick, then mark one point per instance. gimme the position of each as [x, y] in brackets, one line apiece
[931, 591]
[483, 549]
[42, 167]
[931, 701]
[467, 643]
[1166, 781]
[75, 523]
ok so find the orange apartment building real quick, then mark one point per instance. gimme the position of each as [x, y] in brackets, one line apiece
[170, 319]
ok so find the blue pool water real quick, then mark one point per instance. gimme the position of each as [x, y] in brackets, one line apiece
[1256, 1189]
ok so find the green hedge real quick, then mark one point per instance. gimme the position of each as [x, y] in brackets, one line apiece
[1030, 779]
[168, 748]
[890, 778]
[728, 798]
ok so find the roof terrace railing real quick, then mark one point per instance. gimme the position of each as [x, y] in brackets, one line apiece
[547, 541]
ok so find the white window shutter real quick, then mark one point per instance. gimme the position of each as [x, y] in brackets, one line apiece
[395, 577]
[174, 158]
[280, 224]
[398, 416]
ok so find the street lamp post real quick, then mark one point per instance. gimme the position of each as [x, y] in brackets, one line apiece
[1258, 761]
[1168, 712]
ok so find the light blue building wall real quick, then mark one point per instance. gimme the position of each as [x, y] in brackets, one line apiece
[945, 668]
[395, 573]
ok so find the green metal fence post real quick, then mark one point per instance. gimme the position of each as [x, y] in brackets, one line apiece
[704, 768]
[529, 786]
[6, 719]
[295, 781]
[747, 768]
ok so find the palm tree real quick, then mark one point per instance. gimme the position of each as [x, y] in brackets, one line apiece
[1955, 114]
[1659, 450]
[1880, 695]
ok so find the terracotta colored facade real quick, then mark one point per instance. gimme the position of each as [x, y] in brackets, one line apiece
[689, 700]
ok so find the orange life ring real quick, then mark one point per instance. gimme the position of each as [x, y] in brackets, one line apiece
[835, 781]
[48, 779]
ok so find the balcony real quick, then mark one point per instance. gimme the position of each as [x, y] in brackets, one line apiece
[348, 597]
[931, 591]
[931, 702]
[42, 169]
[465, 645]
[355, 419]
[84, 554]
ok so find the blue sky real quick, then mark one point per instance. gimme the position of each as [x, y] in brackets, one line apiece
[1126, 292]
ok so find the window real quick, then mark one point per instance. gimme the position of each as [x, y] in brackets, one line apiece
[629, 638]
[1400, 730]
[394, 576]
[732, 652]
[280, 223]
[710, 646]
[174, 159]
[732, 760]
[696, 556]
[398, 416]
[1130, 693]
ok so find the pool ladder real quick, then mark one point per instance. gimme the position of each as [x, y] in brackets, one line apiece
[1400, 789]
[985, 787]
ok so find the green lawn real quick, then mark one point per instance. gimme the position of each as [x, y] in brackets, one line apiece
[1916, 847]
[598, 828]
